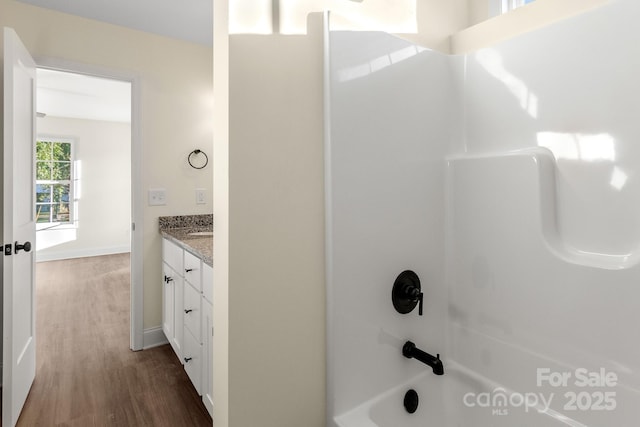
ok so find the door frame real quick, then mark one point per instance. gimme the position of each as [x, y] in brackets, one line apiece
[136, 341]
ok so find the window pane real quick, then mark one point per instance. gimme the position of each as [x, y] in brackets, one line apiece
[61, 193]
[43, 193]
[61, 212]
[43, 150]
[393, 16]
[43, 170]
[42, 213]
[62, 151]
[53, 181]
[61, 171]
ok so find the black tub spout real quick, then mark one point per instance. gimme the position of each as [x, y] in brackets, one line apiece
[409, 350]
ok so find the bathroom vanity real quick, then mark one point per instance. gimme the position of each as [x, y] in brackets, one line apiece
[187, 301]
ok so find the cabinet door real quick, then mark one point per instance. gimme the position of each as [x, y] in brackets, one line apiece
[178, 317]
[168, 277]
[172, 254]
[207, 355]
[193, 360]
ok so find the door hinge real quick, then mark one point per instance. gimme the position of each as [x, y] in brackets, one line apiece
[8, 249]
[133, 226]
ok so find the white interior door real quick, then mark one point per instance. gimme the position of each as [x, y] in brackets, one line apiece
[18, 266]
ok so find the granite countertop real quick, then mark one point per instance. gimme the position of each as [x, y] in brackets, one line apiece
[179, 229]
[200, 246]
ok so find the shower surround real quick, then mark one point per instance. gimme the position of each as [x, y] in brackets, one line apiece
[508, 179]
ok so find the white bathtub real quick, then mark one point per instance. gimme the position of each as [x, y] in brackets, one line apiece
[462, 398]
[387, 409]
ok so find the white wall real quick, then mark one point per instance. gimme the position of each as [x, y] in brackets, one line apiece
[102, 217]
[545, 234]
[175, 80]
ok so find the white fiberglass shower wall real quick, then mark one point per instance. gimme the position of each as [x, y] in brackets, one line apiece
[390, 116]
[508, 179]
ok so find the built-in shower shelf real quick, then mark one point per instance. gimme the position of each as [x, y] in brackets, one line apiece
[527, 193]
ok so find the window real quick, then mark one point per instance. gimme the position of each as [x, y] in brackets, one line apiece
[53, 181]
[508, 5]
[498, 7]
[290, 16]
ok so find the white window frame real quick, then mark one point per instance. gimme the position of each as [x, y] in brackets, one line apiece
[498, 7]
[72, 184]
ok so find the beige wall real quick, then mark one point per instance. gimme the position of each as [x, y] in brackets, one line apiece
[437, 20]
[521, 20]
[478, 11]
[176, 88]
[276, 231]
[460, 26]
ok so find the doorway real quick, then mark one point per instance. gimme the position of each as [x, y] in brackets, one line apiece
[88, 118]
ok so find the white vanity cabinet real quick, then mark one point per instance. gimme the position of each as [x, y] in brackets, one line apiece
[187, 315]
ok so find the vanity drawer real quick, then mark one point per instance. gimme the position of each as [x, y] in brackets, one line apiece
[193, 270]
[192, 311]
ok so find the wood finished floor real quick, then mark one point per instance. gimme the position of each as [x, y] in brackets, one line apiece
[86, 374]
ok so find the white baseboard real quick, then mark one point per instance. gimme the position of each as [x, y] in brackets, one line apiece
[80, 253]
[153, 337]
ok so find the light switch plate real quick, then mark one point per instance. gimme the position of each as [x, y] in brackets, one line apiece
[157, 197]
[200, 196]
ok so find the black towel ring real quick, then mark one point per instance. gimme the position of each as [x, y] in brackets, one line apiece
[195, 154]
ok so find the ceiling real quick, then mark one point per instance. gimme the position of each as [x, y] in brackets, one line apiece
[189, 20]
[76, 96]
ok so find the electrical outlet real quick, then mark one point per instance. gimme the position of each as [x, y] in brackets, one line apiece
[157, 197]
[200, 196]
